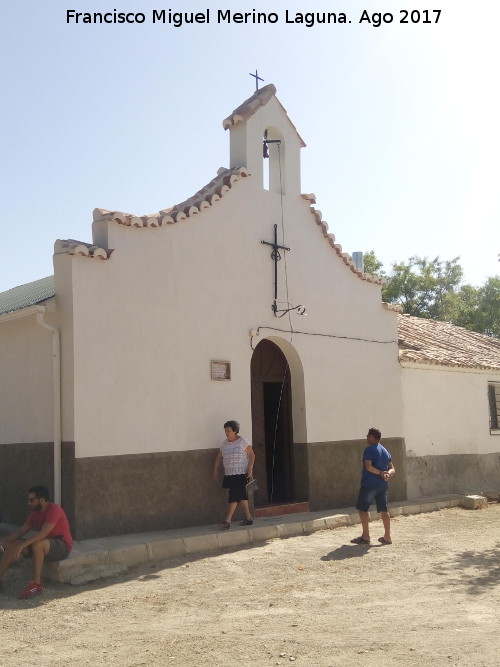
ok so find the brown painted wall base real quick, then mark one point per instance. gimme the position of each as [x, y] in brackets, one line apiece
[455, 473]
[146, 492]
[116, 495]
[113, 495]
[23, 465]
[333, 471]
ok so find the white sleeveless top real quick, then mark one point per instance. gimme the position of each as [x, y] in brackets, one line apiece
[234, 457]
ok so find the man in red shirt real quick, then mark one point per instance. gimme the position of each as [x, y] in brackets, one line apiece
[51, 541]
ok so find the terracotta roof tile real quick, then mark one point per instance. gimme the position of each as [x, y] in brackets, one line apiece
[431, 342]
[246, 110]
[392, 307]
[209, 195]
[318, 216]
[72, 247]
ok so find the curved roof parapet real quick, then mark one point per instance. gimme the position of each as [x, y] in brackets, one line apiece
[318, 216]
[202, 200]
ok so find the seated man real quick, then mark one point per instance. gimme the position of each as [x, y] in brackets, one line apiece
[52, 540]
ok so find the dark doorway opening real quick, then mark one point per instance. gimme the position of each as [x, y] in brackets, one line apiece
[272, 425]
[278, 454]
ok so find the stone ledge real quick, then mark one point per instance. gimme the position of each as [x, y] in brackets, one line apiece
[337, 520]
[105, 557]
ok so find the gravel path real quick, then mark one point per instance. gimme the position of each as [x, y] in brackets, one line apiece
[431, 598]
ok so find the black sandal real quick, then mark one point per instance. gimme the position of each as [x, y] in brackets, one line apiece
[225, 525]
[246, 522]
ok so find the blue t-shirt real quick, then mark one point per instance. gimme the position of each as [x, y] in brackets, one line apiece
[380, 458]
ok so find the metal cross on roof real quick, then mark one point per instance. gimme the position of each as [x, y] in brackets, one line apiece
[257, 79]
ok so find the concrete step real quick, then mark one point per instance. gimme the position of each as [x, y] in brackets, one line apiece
[280, 509]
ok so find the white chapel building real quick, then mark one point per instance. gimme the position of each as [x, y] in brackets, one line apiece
[119, 370]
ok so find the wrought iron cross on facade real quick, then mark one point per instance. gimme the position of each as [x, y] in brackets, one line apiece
[276, 256]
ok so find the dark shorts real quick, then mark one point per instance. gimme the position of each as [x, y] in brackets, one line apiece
[59, 550]
[368, 494]
[237, 487]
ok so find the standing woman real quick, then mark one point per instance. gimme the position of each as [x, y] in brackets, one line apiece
[237, 456]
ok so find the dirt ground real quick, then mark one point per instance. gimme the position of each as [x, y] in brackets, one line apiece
[431, 598]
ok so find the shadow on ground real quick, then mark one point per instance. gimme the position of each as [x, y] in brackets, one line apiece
[18, 576]
[476, 571]
[349, 551]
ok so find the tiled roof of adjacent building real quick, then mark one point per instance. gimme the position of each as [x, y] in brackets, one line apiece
[27, 295]
[431, 342]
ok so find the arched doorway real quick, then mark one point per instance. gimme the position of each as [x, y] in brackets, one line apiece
[272, 434]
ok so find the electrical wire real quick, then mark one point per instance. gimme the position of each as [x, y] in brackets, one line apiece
[283, 239]
[324, 335]
[288, 312]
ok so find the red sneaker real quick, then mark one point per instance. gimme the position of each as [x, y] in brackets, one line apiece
[31, 590]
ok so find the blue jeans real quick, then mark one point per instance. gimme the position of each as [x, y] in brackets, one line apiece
[368, 494]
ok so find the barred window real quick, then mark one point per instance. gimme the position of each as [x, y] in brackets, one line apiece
[494, 401]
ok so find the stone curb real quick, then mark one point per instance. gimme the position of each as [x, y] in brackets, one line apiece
[105, 557]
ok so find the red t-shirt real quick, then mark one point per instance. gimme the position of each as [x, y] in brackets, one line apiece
[53, 514]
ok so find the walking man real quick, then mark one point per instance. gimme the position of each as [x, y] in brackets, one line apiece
[51, 541]
[377, 471]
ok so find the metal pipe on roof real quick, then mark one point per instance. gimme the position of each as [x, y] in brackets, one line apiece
[56, 382]
[358, 260]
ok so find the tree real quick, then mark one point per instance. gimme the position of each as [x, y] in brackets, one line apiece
[372, 264]
[463, 307]
[423, 287]
[477, 308]
[433, 289]
[487, 318]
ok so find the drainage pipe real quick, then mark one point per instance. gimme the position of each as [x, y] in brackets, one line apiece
[56, 384]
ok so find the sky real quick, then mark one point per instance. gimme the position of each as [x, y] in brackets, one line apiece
[401, 120]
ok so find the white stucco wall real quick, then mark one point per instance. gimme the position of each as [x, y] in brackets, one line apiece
[26, 403]
[446, 411]
[148, 321]
[172, 299]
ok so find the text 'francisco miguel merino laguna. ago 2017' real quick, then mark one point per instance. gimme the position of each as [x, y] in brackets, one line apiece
[227, 16]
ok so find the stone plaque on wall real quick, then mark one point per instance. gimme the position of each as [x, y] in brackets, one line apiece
[221, 370]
